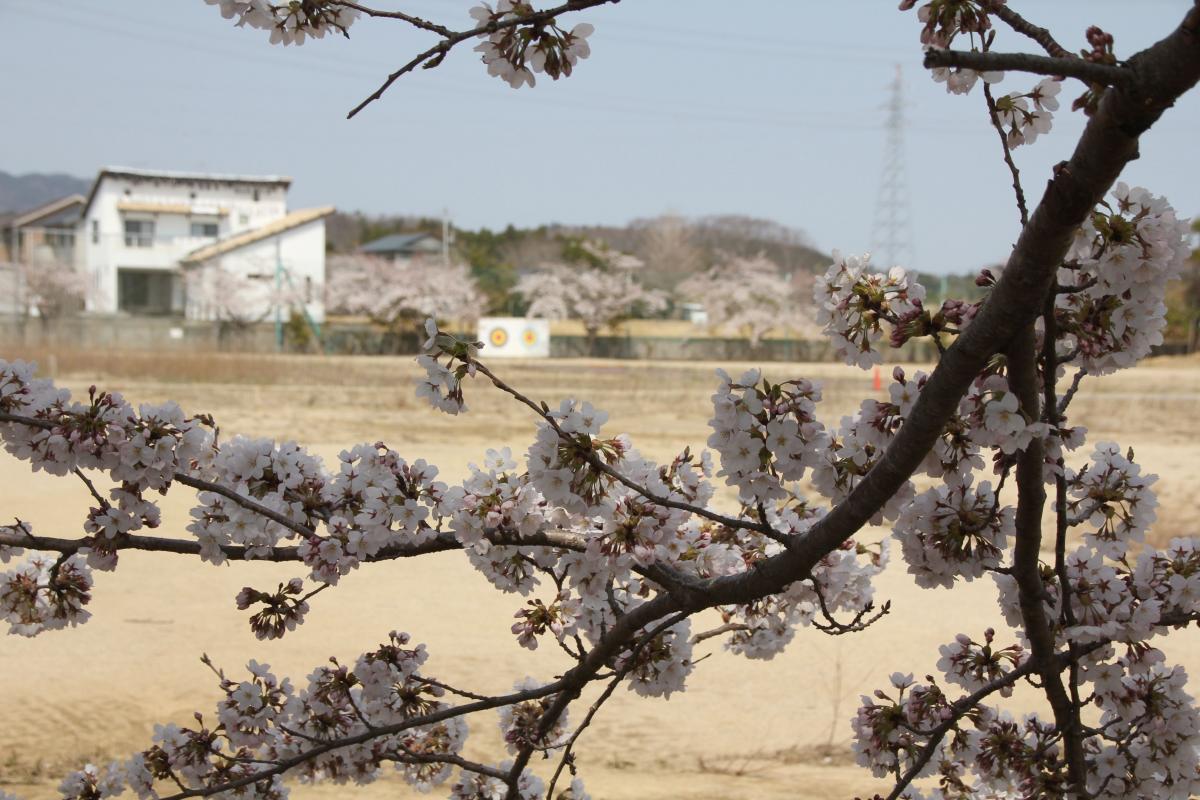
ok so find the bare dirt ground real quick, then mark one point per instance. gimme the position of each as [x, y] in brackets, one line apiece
[742, 730]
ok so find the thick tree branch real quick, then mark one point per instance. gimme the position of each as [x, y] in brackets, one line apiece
[1163, 73]
[1026, 567]
[1086, 71]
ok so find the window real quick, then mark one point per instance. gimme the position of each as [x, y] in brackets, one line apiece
[204, 229]
[139, 233]
[148, 291]
[95, 231]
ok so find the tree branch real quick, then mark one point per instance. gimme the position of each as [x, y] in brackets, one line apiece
[160, 544]
[1085, 71]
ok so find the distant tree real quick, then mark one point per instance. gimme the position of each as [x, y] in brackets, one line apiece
[670, 255]
[1183, 302]
[399, 294]
[600, 291]
[236, 301]
[496, 259]
[751, 297]
[741, 235]
[48, 288]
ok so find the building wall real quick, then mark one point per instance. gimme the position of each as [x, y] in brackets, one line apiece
[101, 240]
[300, 251]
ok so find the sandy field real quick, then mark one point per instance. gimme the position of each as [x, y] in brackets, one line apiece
[743, 729]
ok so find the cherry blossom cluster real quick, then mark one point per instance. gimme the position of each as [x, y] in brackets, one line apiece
[1113, 498]
[290, 21]
[852, 305]
[442, 384]
[973, 665]
[942, 22]
[954, 531]
[1111, 307]
[1101, 52]
[515, 52]
[764, 433]
[45, 594]
[1022, 123]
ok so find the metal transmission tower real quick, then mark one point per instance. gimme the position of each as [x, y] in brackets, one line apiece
[891, 237]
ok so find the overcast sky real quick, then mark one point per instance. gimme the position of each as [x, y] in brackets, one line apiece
[772, 108]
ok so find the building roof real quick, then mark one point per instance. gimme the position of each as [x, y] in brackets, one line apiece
[190, 177]
[230, 243]
[401, 243]
[175, 176]
[64, 210]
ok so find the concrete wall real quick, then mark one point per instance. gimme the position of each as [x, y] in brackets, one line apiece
[156, 333]
[135, 333]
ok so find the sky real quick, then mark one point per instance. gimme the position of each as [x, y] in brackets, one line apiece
[769, 108]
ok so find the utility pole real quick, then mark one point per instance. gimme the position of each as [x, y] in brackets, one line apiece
[891, 236]
[278, 290]
[445, 238]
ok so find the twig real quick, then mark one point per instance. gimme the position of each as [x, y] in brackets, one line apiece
[608, 690]
[835, 628]
[411, 756]
[729, 627]
[596, 463]
[1021, 25]
[434, 55]
[1070, 394]
[416, 22]
[91, 488]
[994, 116]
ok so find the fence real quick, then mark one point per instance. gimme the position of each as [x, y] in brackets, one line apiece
[172, 334]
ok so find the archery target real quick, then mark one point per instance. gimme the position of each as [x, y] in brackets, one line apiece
[515, 337]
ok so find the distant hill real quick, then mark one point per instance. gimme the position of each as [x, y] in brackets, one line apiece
[21, 192]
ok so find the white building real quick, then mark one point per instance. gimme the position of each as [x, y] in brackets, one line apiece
[208, 246]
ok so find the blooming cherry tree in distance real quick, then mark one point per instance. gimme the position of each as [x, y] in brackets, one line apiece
[599, 294]
[619, 552]
[400, 294]
[749, 296]
[48, 287]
